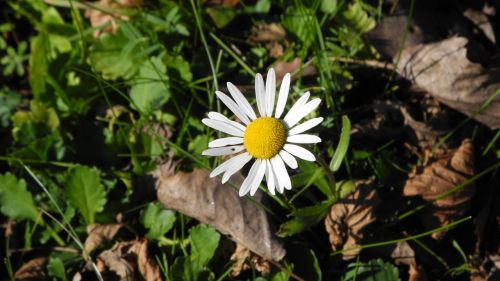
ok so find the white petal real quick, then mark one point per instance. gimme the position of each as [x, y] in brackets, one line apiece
[305, 126]
[293, 111]
[304, 138]
[223, 127]
[300, 152]
[245, 186]
[236, 164]
[283, 95]
[254, 178]
[270, 91]
[270, 177]
[233, 107]
[226, 150]
[303, 111]
[241, 100]
[289, 159]
[260, 93]
[217, 116]
[280, 172]
[226, 165]
[225, 141]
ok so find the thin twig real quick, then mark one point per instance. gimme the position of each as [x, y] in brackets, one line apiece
[286, 271]
[56, 248]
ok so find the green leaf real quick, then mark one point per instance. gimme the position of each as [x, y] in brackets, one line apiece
[374, 270]
[328, 6]
[204, 242]
[39, 65]
[221, 15]
[312, 174]
[85, 191]
[9, 100]
[341, 150]
[356, 18]
[304, 218]
[158, 220]
[16, 201]
[181, 67]
[305, 261]
[117, 56]
[151, 87]
[299, 21]
[55, 268]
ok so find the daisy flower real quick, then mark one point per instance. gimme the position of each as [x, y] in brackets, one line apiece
[268, 138]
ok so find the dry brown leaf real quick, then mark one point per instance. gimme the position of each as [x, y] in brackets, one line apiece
[281, 68]
[99, 234]
[441, 175]
[273, 35]
[129, 260]
[245, 260]
[445, 71]
[482, 22]
[349, 216]
[404, 254]
[98, 18]
[33, 270]
[207, 200]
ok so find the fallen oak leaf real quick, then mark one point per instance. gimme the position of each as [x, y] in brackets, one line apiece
[439, 176]
[99, 234]
[245, 260]
[207, 200]
[129, 260]
[33, 270]
[445, 71]
[349, 216]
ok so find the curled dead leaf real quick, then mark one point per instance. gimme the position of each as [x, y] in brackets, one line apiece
[245, 260]
[283, 67]
[129, 260]
[207, 200]
[99, 234]
[33, 270]
[349, 216]
[445, 71]
[272, 35]
[98, 18]
[441, 175]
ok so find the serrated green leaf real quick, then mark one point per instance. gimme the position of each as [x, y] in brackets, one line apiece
[85, 191]
[356, 18]
[299, 21]
[328, 6]
[116, 55]
[16, 201]
[343, 145]
[204, 242]
[150, 88]
[158, 220]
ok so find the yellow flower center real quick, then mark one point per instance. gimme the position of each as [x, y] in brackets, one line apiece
[264, 137]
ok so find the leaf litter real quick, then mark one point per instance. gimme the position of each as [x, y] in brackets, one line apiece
[219, 205]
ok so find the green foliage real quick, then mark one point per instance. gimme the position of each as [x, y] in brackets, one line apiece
[341, 150]
[374, 270]
[85, 191]
[15, 200]
[150, 88]
[357, 18]
[157, 220]
[118, 55]
[204, 241]
[300, 21]
[55, 268]
[14, 60]
[304, 218]
[9, 100]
